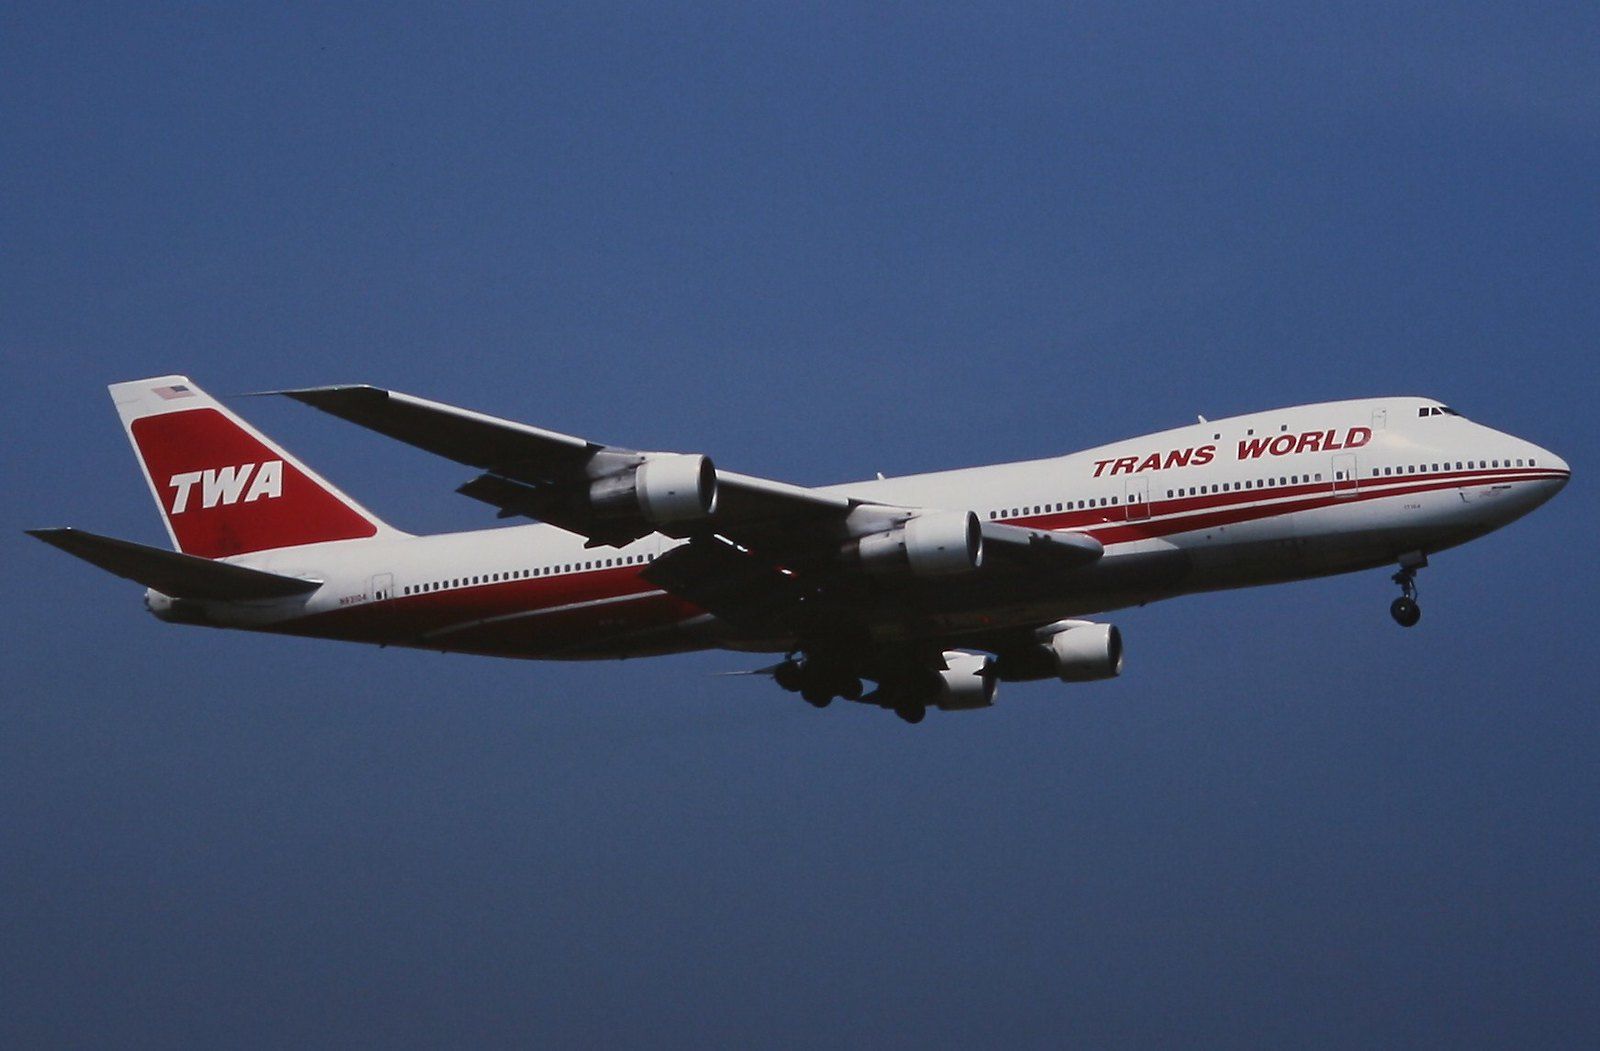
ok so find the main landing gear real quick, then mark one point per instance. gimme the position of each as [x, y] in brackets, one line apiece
[911, 711]
[1404, 609]
[819, 685]
[819, 682]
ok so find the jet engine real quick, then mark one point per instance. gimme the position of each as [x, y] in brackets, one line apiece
[671, 487]
[1069, 650]
[937, 543]
[968, 681]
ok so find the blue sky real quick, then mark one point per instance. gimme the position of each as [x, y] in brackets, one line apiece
[814, 242]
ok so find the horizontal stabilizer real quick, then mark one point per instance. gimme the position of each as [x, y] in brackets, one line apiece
[171, 573]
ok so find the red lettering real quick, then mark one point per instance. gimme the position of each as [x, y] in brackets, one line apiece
[1178, 458]
[1151, 463]
[1328, 444]
[1283, 443]
[1099, 466]
[1125, 465]
[1357, 437]
[1252, 448]
[1310, 442]
[1203, 455]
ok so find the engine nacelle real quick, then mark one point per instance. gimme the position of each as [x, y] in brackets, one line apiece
[938, 543]
[1069, 650]
[968, 681]
[673, 487]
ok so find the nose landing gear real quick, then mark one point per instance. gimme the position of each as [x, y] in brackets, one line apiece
[1404, 609]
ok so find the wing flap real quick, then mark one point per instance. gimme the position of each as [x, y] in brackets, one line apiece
[1042, 547]
[172, 573]
[732, 583]
[561, 506]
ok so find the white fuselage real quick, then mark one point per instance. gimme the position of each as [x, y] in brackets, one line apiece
[1280, 495]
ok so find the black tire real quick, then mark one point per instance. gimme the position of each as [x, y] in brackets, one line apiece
[851, 690]
[911, 713]
[1405, 612]
[789, 676]
[817, 697]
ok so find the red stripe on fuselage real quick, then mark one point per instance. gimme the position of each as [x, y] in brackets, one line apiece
[1185, 514]
[565, 607]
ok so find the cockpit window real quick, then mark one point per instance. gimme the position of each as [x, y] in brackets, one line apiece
[1437, 410]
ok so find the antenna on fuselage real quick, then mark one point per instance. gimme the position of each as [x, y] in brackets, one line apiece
[1202, 419]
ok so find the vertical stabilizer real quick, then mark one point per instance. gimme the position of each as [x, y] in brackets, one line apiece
[223, 487]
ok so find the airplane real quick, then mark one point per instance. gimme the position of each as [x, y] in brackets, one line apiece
[932, 587]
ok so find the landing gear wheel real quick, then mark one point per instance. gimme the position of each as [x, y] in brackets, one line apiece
[911, 712]
[817, 696]
[789, 676]
[851, 690]
[1404, 609]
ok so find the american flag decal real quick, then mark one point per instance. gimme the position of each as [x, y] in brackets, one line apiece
[176, 391]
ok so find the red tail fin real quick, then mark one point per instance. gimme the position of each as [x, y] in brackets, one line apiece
[223, 488]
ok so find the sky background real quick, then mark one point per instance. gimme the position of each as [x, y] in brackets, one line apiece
[814, 242]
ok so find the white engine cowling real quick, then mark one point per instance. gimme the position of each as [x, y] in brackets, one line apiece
[1084, 652]
[938, 543]
[673, 487]
[1069, 650]
[968, 681]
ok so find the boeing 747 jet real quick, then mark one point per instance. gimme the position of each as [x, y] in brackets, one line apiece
[906, 593]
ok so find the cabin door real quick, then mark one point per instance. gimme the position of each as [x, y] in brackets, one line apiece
[1138, 496]
[1344, 474]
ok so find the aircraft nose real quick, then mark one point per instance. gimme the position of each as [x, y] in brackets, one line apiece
[1556, 463]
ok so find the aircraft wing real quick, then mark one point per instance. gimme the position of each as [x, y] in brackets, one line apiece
[760, 541]
[547, 475]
